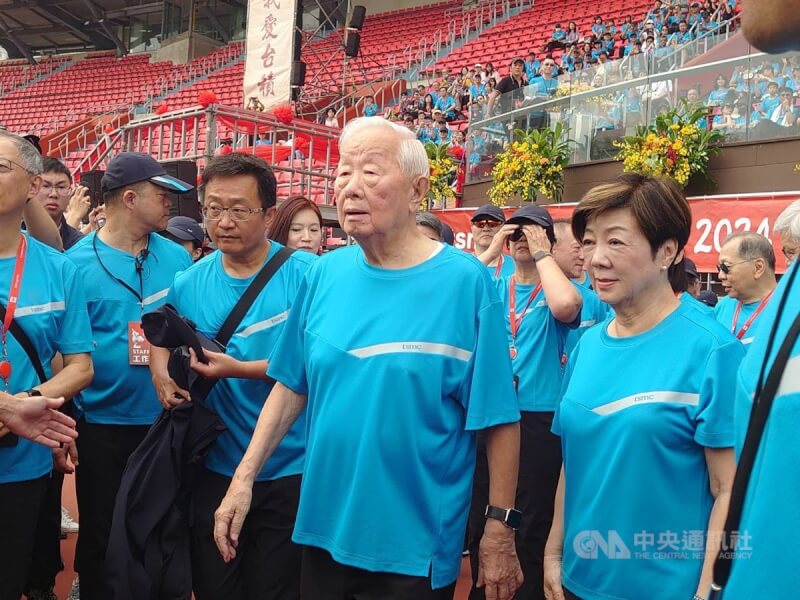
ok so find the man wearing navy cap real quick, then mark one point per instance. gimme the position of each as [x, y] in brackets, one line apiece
[486, 222]
[126, 271]
[188, 233]
[541, 306]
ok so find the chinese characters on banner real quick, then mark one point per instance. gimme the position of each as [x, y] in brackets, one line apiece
[715, 218]
[270, 41]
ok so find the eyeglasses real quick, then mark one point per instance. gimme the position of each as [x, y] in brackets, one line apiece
[6, 166]
[61, 190]
[237, 213]
[486, 223]
[726, 267]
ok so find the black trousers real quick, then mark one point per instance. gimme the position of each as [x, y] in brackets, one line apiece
[325, 579]
[20, 503]
[569, 595]
[267, 563]
[539, 468]
[47, 543]
[103, 451]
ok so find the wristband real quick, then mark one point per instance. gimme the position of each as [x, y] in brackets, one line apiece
[33, 392]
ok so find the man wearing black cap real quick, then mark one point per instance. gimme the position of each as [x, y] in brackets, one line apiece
[486, 222]
[510, 88]
[693, 287]
[126, 272]
[542, 306]
[188, 233]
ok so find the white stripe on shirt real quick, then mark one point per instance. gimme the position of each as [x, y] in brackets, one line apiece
[647, 398]
[265, 324]
[155, 297]
[40, 309]
[412, 347]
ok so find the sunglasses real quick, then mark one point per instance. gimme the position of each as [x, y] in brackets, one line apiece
[726, 268]
[486, 223]
[517, 235]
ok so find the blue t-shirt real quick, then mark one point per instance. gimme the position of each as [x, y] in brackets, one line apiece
[120, 393]
[718, 96]
[51, 309]
[593, 312]
[774, 488]
[400, 368]
[540, 345]
[542, 88]
[725, 310]
[370, 110]
[769, 104]
[690, 300]
[636, 416]
[239, 401]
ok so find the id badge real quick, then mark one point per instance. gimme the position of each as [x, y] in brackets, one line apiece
[138, 346]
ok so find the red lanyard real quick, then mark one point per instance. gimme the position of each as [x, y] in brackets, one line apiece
[512, 307]
[749, 321]
[499, 268]
[13, 296]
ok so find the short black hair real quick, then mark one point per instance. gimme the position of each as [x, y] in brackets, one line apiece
[236, 163]
[53, 165]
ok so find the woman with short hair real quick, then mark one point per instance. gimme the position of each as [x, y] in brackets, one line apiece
[646, 414]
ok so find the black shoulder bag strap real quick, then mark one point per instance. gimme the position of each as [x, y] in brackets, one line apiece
[24, 341]
[251, 293]
[762, 405]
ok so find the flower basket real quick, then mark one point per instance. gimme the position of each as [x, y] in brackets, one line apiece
[443, 171]
[676, 145]
[531, 164]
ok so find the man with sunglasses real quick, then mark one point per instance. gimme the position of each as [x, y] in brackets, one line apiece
[747, 273]
[486, 222]
[55, 195]
[126, 270]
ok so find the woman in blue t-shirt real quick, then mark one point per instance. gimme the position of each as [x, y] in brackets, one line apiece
[646, 414]
[720, 93]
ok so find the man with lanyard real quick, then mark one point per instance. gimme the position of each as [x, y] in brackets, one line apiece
[485, 223]
[127, 271]
[44, 312]
[747, 273]
[541, 305]
[510, 88]
[239, 206]
[546, 83]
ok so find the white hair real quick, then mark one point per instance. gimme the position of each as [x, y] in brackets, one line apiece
[411, 155]
[788, 222]
[29, 156]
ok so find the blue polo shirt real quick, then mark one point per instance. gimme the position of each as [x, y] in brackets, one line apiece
[239, 401]
[51, 309]
[725, 310]
[636, 416]
[400, 368]
[689, 300]
[121, 394]
[593, 312]
[540, 344]
[774, 489]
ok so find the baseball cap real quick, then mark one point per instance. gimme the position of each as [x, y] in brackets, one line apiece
[489, 211]
[708, 298]
[690, 268]
[185, 229]
[132, 167]
[531, 214]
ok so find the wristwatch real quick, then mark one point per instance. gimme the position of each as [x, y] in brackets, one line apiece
[510, 517]
[540, 255]
[33, 392]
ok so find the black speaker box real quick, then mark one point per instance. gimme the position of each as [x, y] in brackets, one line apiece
[298, 78]
[358, 16]
[184, 205]
[353, 44]
[91, 180]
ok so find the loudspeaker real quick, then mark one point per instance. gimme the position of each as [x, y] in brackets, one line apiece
[358, 16]
[352, 44]
[298, 78]
[184, 205]
[91, 181]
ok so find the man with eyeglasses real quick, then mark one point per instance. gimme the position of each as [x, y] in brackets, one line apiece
[747, 273]
[486, 222]
[239, 206]
[55, 195]
[126, 270]
[787, 226]
[546, 83]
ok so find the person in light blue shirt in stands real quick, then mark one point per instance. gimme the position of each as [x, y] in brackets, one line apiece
[485, 223]
[568, 253]
[51, 311]
[747, 273]
[646, 417]
[532, 65]
[395, 392]
[542, 306]
[126, 270]
[239, 206]
[446, 103]
[370, 108]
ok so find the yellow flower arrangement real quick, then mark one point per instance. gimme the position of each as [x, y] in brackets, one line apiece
[443, 171]
[674, 146]
[533, 162]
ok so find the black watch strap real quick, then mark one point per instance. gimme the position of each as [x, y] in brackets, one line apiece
[33, 392]
[510, 517]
